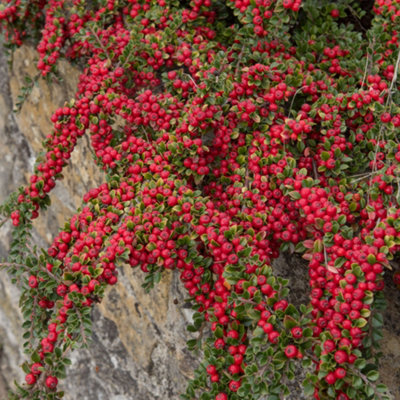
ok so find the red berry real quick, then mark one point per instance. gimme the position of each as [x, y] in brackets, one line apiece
[329, 345]
[291, 351]
[297, 332]
[214, 378]
[330, 378]
[62, 290]
[234, 385]
[335, 13]
[32, 282]
[340, 373]
[234, 369]
[211, 369]
[35, 368]
[30, 379]
[219, 343]
[51, 382]
[273, 337]
[238, 359]
[386, 117]
[340, 356]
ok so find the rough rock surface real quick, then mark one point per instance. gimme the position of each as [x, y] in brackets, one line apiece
[138, 349]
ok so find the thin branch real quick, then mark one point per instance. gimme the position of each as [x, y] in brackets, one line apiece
[354, 13]
[294, 96]
[3, 221]
[84, 339]
[145, 133]
[194, 82]
[10, 265]
[31, 249]
[316, 176]
[241, 299]
[398, 191]
[239, 60]
[367, 382]
[363, 175]
[394, 79]
[264, 368]
[246, 185]
[382, 127]
[367, 68]
[33, 315]
[101, 44]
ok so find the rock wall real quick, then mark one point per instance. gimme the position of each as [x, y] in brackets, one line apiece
[138, 350]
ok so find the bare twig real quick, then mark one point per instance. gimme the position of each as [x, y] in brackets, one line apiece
[294, 96]
[145, 133]
[31, 249]
[194, 82]
[394, 79]
[354, 13]
[316, 176]
[388, 106]
[239, 60]
[367, 62]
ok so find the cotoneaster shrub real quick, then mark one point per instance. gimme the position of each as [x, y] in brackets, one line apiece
[230, 132]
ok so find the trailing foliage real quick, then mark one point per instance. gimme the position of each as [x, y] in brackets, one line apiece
[230, 132]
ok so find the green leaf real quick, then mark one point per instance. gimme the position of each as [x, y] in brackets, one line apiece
[318, 246]
[295, 195]
[369, 390]
[35, 357]
[245, 253]
[381, 388]
[377, 335]
[25, 368]
[219, 333]
[357, 382]
[360, 322]
[360, 363]
[289, 322]
[191, 344]
[340, 261]
[377, 320]
[325, 155]
[191, 328]
[373, 376]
